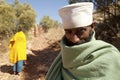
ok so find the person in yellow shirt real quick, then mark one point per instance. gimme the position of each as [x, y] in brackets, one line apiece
[17, 50]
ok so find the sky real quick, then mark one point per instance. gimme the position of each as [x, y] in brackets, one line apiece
[45, 8]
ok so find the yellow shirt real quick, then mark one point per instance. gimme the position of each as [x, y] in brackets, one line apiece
[17, 47]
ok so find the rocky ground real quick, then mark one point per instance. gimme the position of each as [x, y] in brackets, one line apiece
[41, 51]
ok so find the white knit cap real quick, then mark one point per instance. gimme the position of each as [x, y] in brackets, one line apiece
[77, 15]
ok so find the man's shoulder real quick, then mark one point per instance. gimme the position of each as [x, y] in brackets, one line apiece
[104, 44]
[101, 42]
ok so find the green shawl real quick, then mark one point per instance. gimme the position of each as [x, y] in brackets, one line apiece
[94, 60]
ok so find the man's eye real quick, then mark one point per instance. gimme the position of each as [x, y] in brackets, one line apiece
[80, 31]
[68, 32]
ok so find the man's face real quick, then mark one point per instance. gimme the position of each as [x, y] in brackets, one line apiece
[78, 35]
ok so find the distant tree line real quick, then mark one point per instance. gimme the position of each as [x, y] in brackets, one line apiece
[48, 23]
[14, 15]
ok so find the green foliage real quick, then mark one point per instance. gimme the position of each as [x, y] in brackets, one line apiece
[25, 15]
[71, 1]
[48, 23]
[7, 18]
[111, 21]
[14, 15]
[76, 1]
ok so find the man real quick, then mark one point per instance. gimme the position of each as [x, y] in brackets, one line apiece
[82, 57]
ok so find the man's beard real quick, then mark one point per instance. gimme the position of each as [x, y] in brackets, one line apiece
[70, 43]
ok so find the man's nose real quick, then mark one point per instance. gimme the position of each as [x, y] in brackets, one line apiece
[74, 38]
